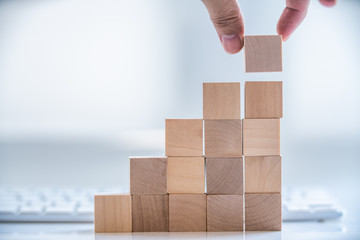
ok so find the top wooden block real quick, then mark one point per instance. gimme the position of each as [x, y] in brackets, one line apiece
[261, 137]
[112, 213]
[221, 100]
[263, 99]
[184, 137]
[263, 53]
[148, 175]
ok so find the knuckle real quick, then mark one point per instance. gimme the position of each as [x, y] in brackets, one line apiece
[225, 19]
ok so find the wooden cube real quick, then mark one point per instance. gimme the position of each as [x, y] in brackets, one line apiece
[150, 213]
[186, 175]
[223, 138]
[112, 213]
[187, 212]
[263, 174]
[148, 175]
[221, 100]
[262, 212]
[184, 137]
[263, 100]
[224, 213]
[263, 53]
[261, 137]
[224, 175]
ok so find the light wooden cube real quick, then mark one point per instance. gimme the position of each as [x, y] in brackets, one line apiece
[263, 53]
[221, 100]
[183, 137]
[186, 175]
[223, 138]
[263, 174]
[224, 213]
[263, 100]
[112, 213]
[148, 175]
[261, 137]
[224, 175]
[187, 212]
[262, 212]
[150, 213]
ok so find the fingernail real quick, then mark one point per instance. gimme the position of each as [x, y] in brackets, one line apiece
[231, 43]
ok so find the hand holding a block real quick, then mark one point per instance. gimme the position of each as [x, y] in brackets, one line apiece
[228, 21]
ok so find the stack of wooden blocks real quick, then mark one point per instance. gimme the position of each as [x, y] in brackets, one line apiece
[241, 161]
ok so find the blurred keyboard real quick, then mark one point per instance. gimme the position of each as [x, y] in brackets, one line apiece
[49, 204]
[309, 205]
[77, 204]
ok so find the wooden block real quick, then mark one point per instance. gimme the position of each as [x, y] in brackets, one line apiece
[221, 100]
[261, 137]
[263, 100]
[224, 213]
[263, 174]
[148, 175]
[262, 212]
[112, 213]
[150, 213]
[263, 53]
[186, 175]
[187, 212]
[224, 175]
[223, 138]
[184, 137]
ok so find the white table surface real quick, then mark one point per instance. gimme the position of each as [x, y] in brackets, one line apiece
[348, 227]
[338, 229]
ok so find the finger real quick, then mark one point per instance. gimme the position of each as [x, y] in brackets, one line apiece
[328, 3]
[291, 17]
[228, 22]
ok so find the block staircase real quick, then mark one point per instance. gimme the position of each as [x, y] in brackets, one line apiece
[239, 159]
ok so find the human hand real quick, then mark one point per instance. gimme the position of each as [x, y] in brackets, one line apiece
[229, 24]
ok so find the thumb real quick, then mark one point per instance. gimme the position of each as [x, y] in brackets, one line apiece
[328, 3]
[228, 22]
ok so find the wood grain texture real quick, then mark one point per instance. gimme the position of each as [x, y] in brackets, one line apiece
[150, 213]
[186, 175]
[183, 137]
[187, 212]
[224, 175]
[221, 100]
[261, 137]
[262, 212]
[263, 174]
[263, 53]
[223, 138]
[112, 213]
[224, 213]
[263, 100]
[148, 175]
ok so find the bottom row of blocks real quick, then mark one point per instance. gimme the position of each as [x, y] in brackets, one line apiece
[187, 213]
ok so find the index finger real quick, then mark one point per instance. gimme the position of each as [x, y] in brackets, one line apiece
[291, 17]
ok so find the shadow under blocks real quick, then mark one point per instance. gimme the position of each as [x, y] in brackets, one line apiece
[242, 157]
